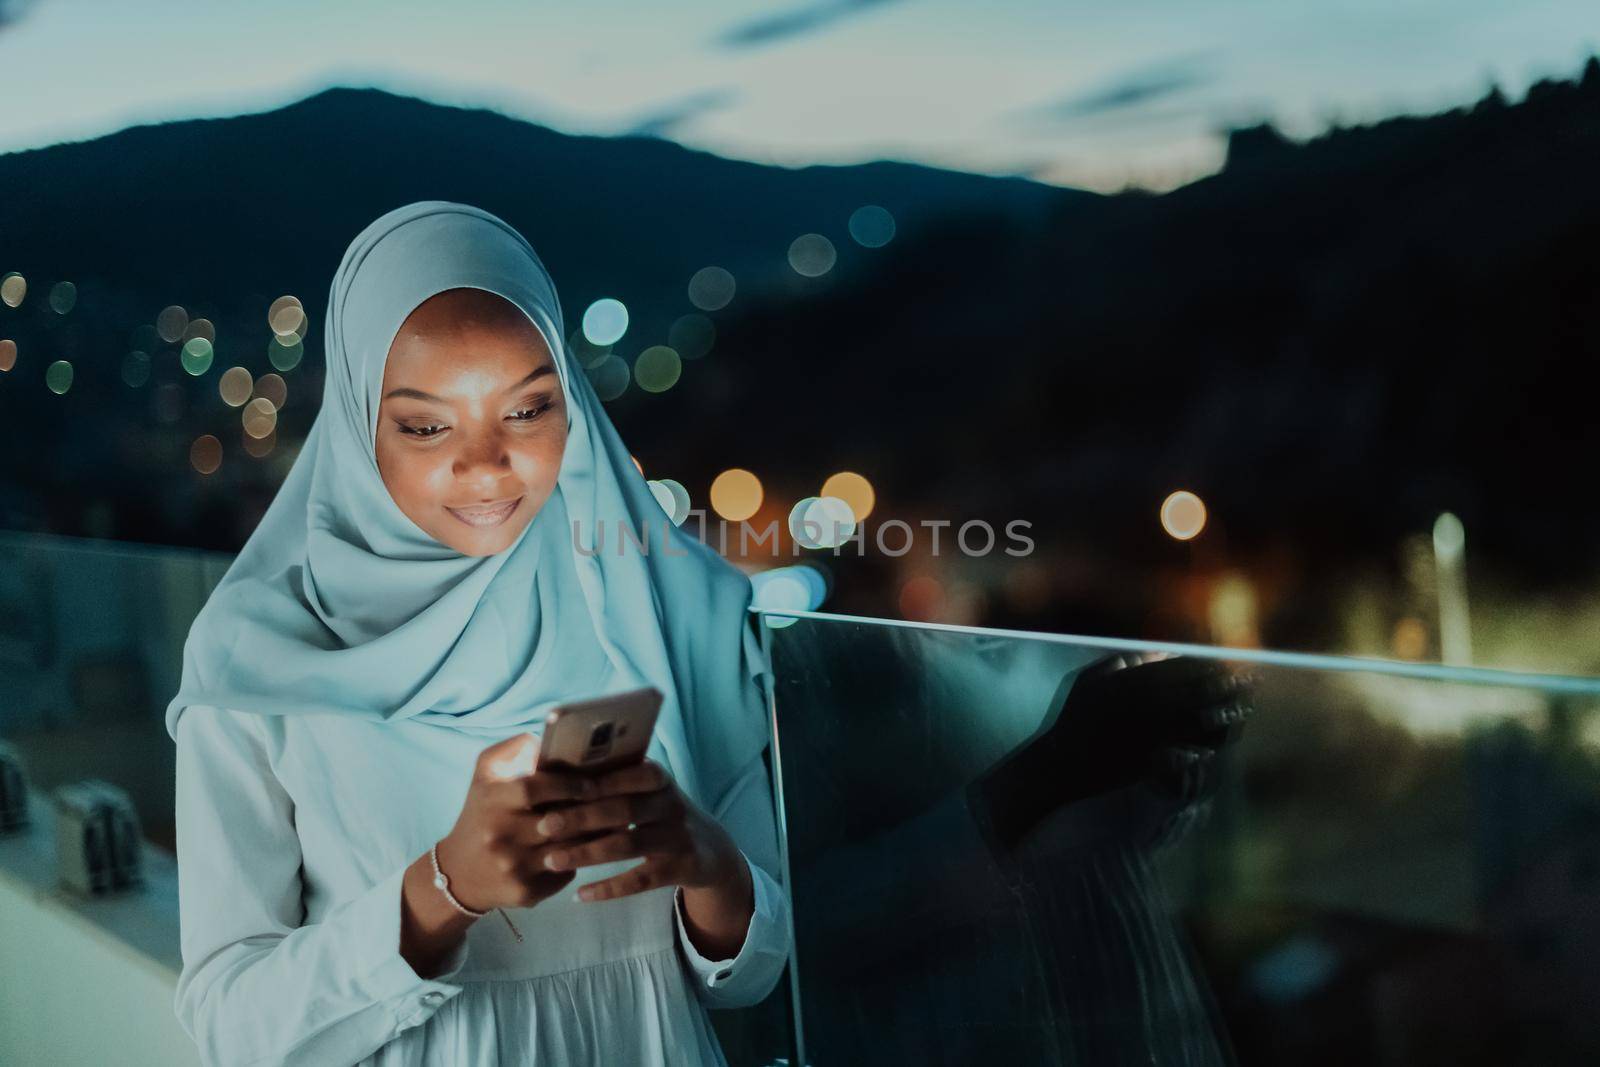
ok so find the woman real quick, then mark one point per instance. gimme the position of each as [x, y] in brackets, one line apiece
[362, 694]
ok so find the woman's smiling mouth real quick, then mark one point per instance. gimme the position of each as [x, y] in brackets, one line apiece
[483, 516]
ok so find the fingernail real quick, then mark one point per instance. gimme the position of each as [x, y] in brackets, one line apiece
[550, 824]
[555, 860]
[586, 893]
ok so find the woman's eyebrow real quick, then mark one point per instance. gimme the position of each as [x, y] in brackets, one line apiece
[536, 373]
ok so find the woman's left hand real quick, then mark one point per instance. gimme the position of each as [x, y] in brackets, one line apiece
[680, 843]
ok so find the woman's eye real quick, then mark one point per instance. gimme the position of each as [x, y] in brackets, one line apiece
[531, 413]
[522, 415]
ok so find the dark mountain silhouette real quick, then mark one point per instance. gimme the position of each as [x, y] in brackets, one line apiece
[1330, 341]
[221, 216]
[210, 210]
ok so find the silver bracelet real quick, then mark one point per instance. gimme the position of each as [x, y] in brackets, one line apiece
[442, 882]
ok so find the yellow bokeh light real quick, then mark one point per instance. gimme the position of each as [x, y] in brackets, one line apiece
[736, 494]
[636, 463]
[921, 599]
[260, 447]
[205, 455]
[854, 490]
[259, 417]
[1232, 612]
[8, 354]
[13, 289]
[1183, 515]
[1410, 638]
[273, 388]
[235, 386]
[287, 317]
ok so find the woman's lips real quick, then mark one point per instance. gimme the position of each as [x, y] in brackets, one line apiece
[486, 517]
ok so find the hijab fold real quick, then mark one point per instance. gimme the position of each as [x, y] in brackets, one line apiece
[340, 604]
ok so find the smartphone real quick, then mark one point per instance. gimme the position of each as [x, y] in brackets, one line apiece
[601, 734]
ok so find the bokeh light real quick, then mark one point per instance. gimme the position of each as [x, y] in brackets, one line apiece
[1232, 611]
[782, 589]
[285, 357]
[235, 386]
[657, 369]
[586, 352]
[287, 318]
[736, 494]
[821, 522]
[637, 465]
[871, 226]
[922, 599]
[171, 323]
[136, 368]
[200, 328]
[610, 377]
[259, 417]
[1410, 638]
[815, 574]
[711, 289]
[662, 494]
[606, 321]
[273, 389]
[196, 356]
[13, 288]
[259, 447]
[58, 376]
[205, 455]
[812, 255]
[1183, 515]
[800, 587]
[8, 354]
[692, 335]
[674, 499]
[854, 490]
[63, 297]
[1449, 537]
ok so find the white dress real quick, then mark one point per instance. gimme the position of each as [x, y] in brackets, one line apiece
[293, 834]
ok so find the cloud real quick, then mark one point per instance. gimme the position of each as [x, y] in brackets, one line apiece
[796, 22]
[1133, 89]
[672, 116]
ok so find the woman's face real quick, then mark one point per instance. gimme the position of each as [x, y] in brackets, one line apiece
[472, 414]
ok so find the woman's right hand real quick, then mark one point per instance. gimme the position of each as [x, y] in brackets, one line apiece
[494, 855]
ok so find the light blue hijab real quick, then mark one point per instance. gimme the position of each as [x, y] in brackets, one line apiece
[340, 604]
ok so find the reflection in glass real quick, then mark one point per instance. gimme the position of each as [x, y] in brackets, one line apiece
[1012, 848]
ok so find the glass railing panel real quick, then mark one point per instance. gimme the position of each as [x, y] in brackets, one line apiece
[1000, 852]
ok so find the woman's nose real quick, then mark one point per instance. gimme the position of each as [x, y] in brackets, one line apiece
[483, 454]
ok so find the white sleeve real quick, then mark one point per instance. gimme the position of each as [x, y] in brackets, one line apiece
[750, 975]
[257, 987]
